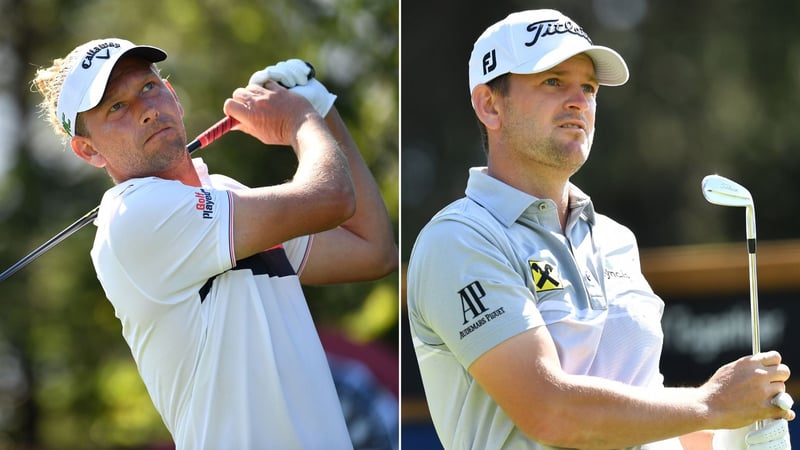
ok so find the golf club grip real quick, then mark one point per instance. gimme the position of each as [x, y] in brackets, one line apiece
[212, 134]
[205, 138]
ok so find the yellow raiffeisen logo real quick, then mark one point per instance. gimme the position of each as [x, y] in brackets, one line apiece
[545, 276]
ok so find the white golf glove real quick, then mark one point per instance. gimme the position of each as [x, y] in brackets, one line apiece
[774, 435]
[287, 73]
[298, 76]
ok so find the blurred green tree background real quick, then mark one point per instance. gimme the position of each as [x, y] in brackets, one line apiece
[67, 380]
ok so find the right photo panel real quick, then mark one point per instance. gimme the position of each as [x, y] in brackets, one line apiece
[580, 263]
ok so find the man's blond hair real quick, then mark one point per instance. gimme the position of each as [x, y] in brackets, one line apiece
[49, 81]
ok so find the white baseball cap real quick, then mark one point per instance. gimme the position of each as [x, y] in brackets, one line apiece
[537, 40]
[85, 84]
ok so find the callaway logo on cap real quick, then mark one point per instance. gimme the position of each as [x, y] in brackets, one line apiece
[85, 84]
[537, 40]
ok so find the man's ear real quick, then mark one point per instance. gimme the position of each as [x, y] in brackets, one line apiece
[484, 102]
[174, 94]
[82, 146]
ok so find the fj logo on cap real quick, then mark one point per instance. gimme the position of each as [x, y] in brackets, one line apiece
[489, 62]
[545, 276]
[546, 28]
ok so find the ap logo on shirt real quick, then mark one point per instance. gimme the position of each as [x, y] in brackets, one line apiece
[545, 276]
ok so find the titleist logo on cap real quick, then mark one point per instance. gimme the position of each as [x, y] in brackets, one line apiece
[546, 28]
[95, 52]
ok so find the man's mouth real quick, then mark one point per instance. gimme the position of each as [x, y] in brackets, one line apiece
[157, 133]
[573, 124]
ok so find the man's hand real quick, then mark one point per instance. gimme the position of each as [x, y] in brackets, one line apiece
[297, 76]
[739, 393]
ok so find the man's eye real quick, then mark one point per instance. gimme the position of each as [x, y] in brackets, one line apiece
[115, 107]
[551, 82]
[148, 86]
[589, 89]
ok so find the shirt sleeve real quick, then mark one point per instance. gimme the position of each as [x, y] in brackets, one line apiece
[296, 249]
[186, 230]
[464, 295]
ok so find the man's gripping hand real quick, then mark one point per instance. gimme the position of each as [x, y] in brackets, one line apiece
[297, 76]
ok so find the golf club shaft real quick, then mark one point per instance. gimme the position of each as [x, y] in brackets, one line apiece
[750, 216]
[205, 138]
[754, 303]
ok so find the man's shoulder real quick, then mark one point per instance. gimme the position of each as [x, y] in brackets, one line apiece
[463, 224]
[606, 223]
[149, 201]
[464, 211]
[136, 187]
[459, 218]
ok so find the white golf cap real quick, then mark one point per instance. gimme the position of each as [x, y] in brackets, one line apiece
[537, 40]
[85, 83]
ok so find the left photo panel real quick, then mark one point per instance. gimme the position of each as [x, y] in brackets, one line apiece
[199, 217]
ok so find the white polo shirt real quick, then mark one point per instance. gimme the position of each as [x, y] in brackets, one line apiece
[227, 349]
[494, 264]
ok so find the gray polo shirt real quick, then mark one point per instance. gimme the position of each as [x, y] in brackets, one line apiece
[496, 263]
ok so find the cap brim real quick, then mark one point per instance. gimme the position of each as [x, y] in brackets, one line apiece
[610, 69]
[152, 54]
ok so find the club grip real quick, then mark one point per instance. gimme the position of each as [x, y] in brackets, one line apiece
[213, 133]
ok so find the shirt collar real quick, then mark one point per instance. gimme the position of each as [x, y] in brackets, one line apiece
[580, 204]
[507, 203]
[202, 171]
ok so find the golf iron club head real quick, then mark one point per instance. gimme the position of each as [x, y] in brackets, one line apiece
[722, 191]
